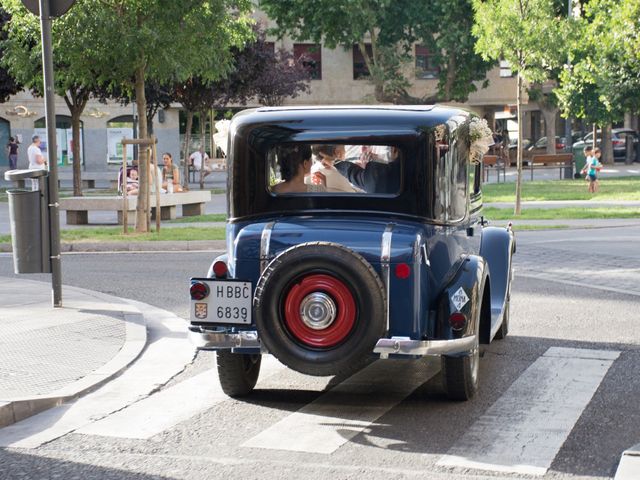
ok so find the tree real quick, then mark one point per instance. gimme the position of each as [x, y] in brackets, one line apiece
[158, 96]
[528, 35]
[391, 28]
[165, 41]
[258, 71]
[283, 76]
[75, 76]
[8, 84]
[604, 79]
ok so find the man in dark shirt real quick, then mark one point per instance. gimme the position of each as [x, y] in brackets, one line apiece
[375, 177]
[12, 152]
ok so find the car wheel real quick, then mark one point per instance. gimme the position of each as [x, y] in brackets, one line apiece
[320, 309]
[460, 374]
[238, 372]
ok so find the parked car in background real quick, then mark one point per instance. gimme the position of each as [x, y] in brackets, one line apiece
[618, 138]
[513, 149]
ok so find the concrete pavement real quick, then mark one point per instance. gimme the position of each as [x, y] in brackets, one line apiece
[49, 356]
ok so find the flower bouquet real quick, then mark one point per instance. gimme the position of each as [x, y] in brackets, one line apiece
[479, 138]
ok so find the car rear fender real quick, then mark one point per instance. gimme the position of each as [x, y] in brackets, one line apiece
[463, 294]
[497, 248]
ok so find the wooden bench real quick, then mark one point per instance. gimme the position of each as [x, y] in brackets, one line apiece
[78, 208]
[560, 161]
[493, 162]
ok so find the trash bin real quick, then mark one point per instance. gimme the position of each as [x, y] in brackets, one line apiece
[579, 159]
[29, 219]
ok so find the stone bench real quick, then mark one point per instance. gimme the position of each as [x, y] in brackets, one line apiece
[78, 208]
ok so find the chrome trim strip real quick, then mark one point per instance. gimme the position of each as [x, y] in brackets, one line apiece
[265, 241]
[385, 264]
[406, 346]
[209, 340]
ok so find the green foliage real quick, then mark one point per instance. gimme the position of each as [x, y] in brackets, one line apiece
[8, 84]
[526, 33]
[604, 79]
[170, 40]
[391, 27]
[74, 60]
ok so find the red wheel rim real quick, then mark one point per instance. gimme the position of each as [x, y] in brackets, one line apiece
[341, 326]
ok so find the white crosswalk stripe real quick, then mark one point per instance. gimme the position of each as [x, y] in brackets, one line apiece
[348, 409]
[525, 428]
[167, 408]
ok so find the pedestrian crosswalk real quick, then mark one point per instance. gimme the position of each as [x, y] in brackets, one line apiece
[169, 407]
[521, 432]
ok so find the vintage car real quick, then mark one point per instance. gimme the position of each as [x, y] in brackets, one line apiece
[383, 253]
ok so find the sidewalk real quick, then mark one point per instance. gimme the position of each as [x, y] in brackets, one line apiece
[49, 356]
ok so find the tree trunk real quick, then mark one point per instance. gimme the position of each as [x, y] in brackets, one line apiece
[550, 115]
[451, 78]
[187, 141]
[594, 143]
[517, 209]
[606, 146]
[203, 130]
[203, 143]
[142, 224]
[75, 151]
[212, 121]
[76, 100]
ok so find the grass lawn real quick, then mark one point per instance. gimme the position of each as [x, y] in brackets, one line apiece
[619, 188]
[210, 217]
[114, 234]
[540, 227]
[561, 213]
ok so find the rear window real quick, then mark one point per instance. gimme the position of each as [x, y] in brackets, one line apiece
[334, 169]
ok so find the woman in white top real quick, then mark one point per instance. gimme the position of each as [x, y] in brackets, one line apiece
[295, 165]
[327, 155]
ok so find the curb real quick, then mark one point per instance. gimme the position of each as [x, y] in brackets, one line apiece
[136, 339]
[629, 466]
[151, 246]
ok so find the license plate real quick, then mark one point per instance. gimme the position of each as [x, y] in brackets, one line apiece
[229, 302]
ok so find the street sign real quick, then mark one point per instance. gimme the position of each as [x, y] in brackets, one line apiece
[57, 8]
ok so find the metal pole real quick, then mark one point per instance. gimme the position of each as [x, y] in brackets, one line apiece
[50, 121]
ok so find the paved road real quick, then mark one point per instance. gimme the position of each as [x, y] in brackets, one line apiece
[560, 389]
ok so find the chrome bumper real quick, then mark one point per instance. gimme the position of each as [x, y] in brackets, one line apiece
[219, 340]
[209, 340]
[406, 346]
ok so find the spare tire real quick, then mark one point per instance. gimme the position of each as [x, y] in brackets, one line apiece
[320, 308]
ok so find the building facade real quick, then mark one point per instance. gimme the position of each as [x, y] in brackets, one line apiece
[339, 76]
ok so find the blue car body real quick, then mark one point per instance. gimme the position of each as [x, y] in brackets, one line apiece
[444, 276]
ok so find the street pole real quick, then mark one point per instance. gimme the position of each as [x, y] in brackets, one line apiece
[50, 121]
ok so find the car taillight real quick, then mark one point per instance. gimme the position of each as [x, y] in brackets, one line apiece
[457, 321]
[220, 269]
[618, 143]
[199, 291]
[403, 271]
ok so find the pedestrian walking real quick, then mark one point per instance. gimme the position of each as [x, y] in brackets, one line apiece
[12, 153]
[36, 159]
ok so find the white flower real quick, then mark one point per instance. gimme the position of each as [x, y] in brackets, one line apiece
[480, 139]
